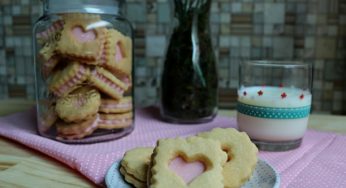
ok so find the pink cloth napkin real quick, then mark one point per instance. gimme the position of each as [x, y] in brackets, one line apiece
[319, 162]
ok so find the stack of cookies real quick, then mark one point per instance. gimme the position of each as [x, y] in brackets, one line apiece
[87, 66]
[218, 158]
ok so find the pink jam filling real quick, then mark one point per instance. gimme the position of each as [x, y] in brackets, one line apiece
[114, 121]
[111, 84]
[187, 171]
[50, 63]
[72, 82]
[92, 127]
[119, 54]
[117, 106]
[83, 36]
[57, 26]
[48, 66]
[103, 58]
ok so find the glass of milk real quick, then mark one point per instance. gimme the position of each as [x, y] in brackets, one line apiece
[274, 101]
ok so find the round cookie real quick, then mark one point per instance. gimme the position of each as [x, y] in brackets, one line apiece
[48, 118]
[116, 106]
[132, 180]
[136, 161]
[242, 155]
[71, 131]
[115, 121]
[79, 104]
[65, 81]
[107, 83]
[192, 149]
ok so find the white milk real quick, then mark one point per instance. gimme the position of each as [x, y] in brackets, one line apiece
[268, 129]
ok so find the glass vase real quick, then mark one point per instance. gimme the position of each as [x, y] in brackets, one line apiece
[189, 81]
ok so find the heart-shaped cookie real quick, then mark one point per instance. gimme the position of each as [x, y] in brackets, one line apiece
[207, 154]
[82, 38]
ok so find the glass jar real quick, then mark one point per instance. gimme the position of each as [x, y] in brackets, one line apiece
[83, 70]
[189, 84]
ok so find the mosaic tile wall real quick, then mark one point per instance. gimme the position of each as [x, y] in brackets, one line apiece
[312, 30]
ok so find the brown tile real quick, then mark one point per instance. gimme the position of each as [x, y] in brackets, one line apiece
[227, 97]
[299, 42]
[17, 91]
[326, 48]
[9, 52]
[241, 18]
[224, 51]
[5, 2]
[290, 18]
[241, 29]
[333, 18]
[140, 52]
[21, 20]
[139, 33]
[22, 30]
[339, 85]
[342, 30]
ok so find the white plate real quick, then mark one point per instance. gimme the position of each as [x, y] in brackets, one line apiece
[264, 176]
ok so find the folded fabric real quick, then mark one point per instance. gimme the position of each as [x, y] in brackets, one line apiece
[319, 162]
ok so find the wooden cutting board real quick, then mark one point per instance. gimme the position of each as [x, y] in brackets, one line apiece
[23, 167]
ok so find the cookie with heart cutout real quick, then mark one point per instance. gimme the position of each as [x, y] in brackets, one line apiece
[122, 105]
[193, 162]
[80, 104]
[82, 37]
[242, 155]
[117, 54]
[73, 131]
[107, 83]
[64, 81]
[115, 121]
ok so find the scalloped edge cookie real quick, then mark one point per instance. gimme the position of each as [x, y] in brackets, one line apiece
[242, 154]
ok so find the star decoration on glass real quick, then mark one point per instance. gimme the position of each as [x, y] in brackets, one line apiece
[260, 93]
[301, 96]
[283, 95]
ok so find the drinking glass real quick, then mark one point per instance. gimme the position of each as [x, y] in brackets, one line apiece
[274, 101]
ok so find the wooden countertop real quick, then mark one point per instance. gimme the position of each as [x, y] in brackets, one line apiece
[24, 167]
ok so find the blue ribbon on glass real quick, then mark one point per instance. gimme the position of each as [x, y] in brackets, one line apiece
[273, 113]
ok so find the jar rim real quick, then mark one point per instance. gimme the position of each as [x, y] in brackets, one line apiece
[277, 63]
[112, 7]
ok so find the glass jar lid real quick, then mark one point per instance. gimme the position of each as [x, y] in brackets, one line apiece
[83, 6]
